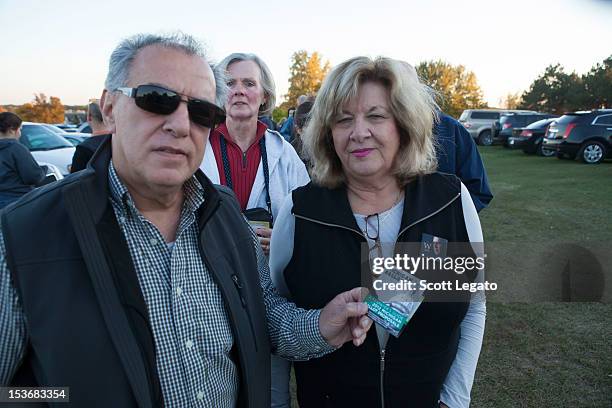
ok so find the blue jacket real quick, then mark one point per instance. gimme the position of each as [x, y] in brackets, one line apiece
[287, 129]
[457, 154]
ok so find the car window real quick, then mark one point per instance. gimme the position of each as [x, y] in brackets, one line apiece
[604, 120]
[539, 124]
[36, 137]
[464, 115]
[485, 115]
[565, 119]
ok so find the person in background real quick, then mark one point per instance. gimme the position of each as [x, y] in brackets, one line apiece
[287, 128]
[268, 121]
[300, 119]
[243, 154]
[19, 172]
[84, 151]
[256, 163]
[457, 154]
[375, 183]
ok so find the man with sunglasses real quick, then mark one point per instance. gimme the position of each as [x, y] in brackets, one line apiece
[140, 281]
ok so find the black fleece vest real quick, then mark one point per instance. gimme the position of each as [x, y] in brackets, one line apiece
[327, 260]
[87, 321]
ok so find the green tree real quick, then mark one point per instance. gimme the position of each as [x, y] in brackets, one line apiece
[305, 76]
[555, 91]
[457, 87]
[598, 84]
[278, 114]
[42, 110]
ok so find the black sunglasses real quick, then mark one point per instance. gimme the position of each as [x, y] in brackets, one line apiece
[162, 101]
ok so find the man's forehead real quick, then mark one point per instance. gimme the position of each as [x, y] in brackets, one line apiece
[174, 69]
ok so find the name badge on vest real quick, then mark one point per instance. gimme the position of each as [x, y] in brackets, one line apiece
[433, 247]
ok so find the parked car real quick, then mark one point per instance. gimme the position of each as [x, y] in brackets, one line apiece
[529, 138]
[47, 146]
[480, 121]
[502, 128]
[84, 128]
[52, 173]
[73, 138]
[586, 135]
[67, 128]
[76, 139]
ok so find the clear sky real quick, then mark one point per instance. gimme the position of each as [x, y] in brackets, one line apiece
[61, 48]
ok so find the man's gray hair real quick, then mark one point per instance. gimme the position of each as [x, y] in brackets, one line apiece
[267, 80]
[123, 56]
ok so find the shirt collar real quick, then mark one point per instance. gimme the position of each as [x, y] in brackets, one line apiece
[193, 189]
[260, 132]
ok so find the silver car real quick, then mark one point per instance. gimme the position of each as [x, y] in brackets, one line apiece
[479, 122]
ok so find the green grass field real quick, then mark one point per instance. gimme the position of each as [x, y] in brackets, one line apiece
[544, 353]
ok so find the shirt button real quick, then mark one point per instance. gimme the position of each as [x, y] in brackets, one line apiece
[189, 344]
[153, 241]
[179, 290]
[200, 395]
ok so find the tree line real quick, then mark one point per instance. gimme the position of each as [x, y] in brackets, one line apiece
[456, 88]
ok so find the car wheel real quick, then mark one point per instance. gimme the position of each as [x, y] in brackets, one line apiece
[485, 138]
[545, 152]
[592, 153]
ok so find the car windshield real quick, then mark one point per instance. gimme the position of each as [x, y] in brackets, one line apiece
[38, 137]
[464, 115]
[503, 119]
[54, 129]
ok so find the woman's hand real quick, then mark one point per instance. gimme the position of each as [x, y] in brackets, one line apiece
[264, 235]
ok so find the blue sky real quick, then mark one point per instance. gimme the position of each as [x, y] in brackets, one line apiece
[61, 48]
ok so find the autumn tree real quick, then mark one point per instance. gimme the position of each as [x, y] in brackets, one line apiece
[556, 91]
[510, 101]
[457, 87]
[305, 76]
[42, 110]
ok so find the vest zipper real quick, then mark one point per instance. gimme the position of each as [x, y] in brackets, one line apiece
[427, 216]
[382, 378]
[330, 225]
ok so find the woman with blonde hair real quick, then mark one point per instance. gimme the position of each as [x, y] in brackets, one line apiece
[374, 183]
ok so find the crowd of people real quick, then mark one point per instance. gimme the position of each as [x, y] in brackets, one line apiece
[196, 251]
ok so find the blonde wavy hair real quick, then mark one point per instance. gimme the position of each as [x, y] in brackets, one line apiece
[412, 105]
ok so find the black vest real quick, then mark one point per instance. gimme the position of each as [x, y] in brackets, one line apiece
[87, 321]
[327, 260]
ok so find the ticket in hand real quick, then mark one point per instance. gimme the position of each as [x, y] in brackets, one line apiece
[393, 317]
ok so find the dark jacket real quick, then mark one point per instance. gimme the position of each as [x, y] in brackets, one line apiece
[83, 152]
[327, 259]
[88, 325]
[457, 154]
[19, 172]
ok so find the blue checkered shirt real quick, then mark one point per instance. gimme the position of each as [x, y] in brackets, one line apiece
[191, 328]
